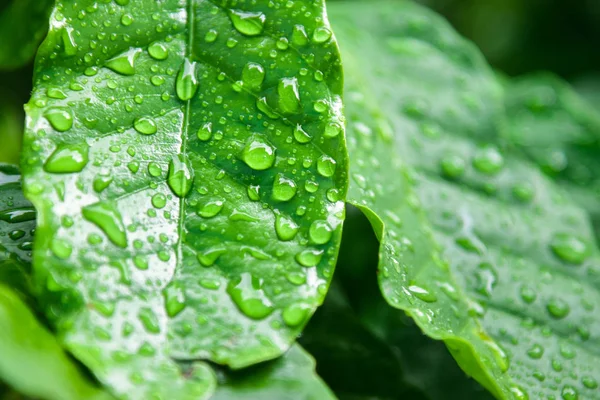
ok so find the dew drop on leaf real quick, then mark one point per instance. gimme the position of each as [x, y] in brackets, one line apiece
[145, 126]
[295, 314]
[253, 75]
[158, 51]
[285, 227]
[247, 294]
[558, 308]
[211, 208]
[289, 96]
[106, 217]
[159, 200]
[309, 257]
[61, 248]
[452, 166]
[68, 158]
[300, 135]
[321, 35]
[423, 294]
[284, 189]
[258, 154]
[488, 160]
[248, 23]
[205, 132]
[326, 166]
[124, 64]
[320, 232]
[174, 299]
[569, 248]
[186, 84]
[60, 118]
[181, 175]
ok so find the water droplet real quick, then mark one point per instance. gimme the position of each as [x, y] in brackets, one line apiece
[56, 93]
[300, 135]
[295, 314]
[210, 256]
[536, 352]
[181, 175]
[569, 393]
[326, 166]
[285, 227]
[205, 132]
[174, 299]
[145, 125]
[289, 96]
[589, 382]
[452, 166]
[253, 75]
[528, 294]
[309, 257]
[127, 19]
[518, 393]
[210, 208]
[262, 105]
[299, 36]
[488, 160]
[154, 169]
[149, 320]
[332, 130]
[109, 220]
[321, 35]
[60, 118]
[61, 248]
[284, 189]
[320, 232]
[187, 83]
[296, 278]
[258, 154]
[68, 39]
[246, 292]
[158, 51]
[248, 23]
[101, 182]
[16, 235]
[211, 36]
[558, 308]
[423, 294]
[67, 159]
[253, 192]
[159, 200]
[124, 64]
[18, 215]
[569, 248]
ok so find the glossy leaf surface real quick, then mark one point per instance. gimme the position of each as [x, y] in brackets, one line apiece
[515, 303]
[188, 166]
[23, 25]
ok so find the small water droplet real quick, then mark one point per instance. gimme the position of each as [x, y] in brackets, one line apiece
[67, 159]
[295, 314]
[558, 308]
[332, 130]
[187, 84]
[569, 393]
[181, 175]
[488, 160]
[258, 154]
[253, 75]
[106, 217]
[60, 118]
[205, 132]
[159, 200]
[452, 166]
[423, 294]
[101, 182]
[299, 36]
[154, 169]
[124, 64]
[174, 299]
[528, 294]
[589, 382]
[61, 248]
[300, 135]
[149, 320]
[246, 292]
[248, 23]
[536, 352]
[519, 393]
[321, 35]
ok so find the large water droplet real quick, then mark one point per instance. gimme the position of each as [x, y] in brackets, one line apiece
[253, 75]
[68, 158]
[295, 314]
[569, 248]
[159, 200]
[488, 160]
[258, 154]
[326, 166]
[289, 96]
[284, 189]
[60, 118]
[422, 293]
[124, 64]
[18, 215]
[320, 232]
[246, 292]
[321, 34]
[301, 135]
[181, 175]
[158, 51]
[211, 208]
[558, 308]
[174, 299]
[299, 36]
[248, 23]
[569, 393]
[285, 227]
[145, 125]
[205, 132]
[108, 219]
[187, 83]
[536, 352]
[68, 39]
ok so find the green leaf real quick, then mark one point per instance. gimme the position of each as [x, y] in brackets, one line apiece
[17, 222]
[32, 361]
[11, 129]
[23, 25]
[290, 377]
[560, 132]
[188, 166]
[515, 304]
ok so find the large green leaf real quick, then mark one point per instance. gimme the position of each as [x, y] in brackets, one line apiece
[560, 132]
[188, 166]
[32, 361]
[23, 24]
[516, 303]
